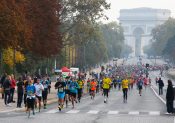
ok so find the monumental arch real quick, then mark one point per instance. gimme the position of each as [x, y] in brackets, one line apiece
[138, 24]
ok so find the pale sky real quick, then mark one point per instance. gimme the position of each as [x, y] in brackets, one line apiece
[116, 5]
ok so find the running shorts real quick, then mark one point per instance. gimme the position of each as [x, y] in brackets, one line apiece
[44, 95]
[73, 94]
[38, 97]
[30, 103]
[61, 95]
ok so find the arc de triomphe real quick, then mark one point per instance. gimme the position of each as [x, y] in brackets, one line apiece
[138, 24]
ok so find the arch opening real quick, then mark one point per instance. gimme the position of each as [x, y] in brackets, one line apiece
[138, 40]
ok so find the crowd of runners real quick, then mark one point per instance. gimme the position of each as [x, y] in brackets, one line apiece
[34, 91]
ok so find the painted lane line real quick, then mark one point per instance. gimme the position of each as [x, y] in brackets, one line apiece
[92, 112]
[73, 111]
[158, 95]
[154, 113]
[52, 111]
[113, 112]
[133, 113]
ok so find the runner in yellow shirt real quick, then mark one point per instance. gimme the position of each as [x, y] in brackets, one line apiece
[125, 83]
[106, 86]
[80, 89]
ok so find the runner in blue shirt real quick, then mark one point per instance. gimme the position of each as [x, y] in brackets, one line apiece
[30, 89]
[73, 87]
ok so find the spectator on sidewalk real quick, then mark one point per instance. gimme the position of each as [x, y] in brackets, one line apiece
[26, 83]
[161, 85]
[6, 86]
[3, 78]
[170, 97]
[20, 91]
[12, 88]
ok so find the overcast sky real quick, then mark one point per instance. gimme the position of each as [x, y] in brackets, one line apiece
[116, 5]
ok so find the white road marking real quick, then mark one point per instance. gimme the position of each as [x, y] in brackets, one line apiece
[133, 113]
[73, 111]
[52, 111]
[154, 113]
[113, 112]
[158, 95]
[92, 112]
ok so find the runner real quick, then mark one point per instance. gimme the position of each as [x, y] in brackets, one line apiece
[98, 86]
[132, 82]
[60, 85]
[45, 91]
[67, 91]
[30, 91]
[140, 84]
[115, 82]
[125, 83]
[39, 88]
[93, 85]
[119, 81]
[73, 91]
[88, 86]
[106, 86]
[145, 82]
[80, 89]
[49, 84]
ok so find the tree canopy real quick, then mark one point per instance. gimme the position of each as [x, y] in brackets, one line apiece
[161, 34]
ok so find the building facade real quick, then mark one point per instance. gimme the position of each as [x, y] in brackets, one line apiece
[138, 24]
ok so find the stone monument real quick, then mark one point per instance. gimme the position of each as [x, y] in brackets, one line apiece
[138, 24]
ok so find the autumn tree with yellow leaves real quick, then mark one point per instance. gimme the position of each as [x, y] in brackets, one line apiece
[8, 57]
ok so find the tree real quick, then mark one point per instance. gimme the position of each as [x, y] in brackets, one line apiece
[44, 18]
[14, 32]
[161, 34]
[79, 23]
[8, 55]
[114, 39]
[170, 48]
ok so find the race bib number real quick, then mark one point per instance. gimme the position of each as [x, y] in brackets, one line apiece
[30, 92]
[66, 87]
[61, 89]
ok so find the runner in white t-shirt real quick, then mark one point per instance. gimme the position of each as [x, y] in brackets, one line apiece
[39, 88]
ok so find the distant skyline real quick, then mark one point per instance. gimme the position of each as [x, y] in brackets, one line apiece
[116, 5]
